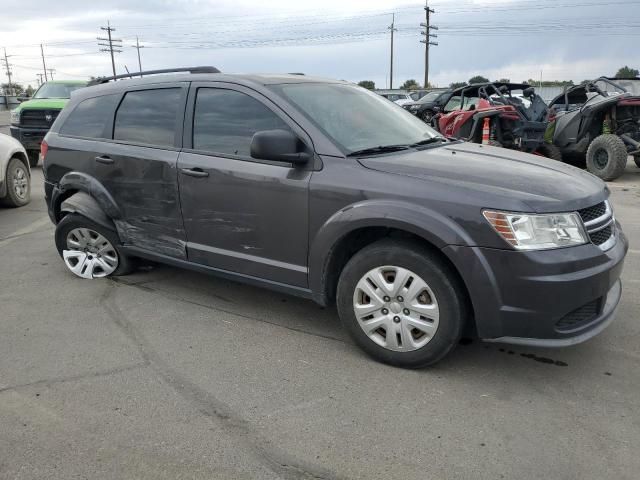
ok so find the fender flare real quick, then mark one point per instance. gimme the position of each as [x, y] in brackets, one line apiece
[81, 182]
[84, 204]
[428, 224]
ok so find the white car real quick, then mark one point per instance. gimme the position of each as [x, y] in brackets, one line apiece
[15, 174]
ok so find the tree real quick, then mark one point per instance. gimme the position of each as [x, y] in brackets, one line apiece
[504, 80]
[478, 79]
[368, 84]
[16, 87]
[454, 85]
[410, 84]
[626, 72]
[29, 91]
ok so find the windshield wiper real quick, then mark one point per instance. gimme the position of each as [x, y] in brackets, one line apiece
[427, 141]
[379, 149]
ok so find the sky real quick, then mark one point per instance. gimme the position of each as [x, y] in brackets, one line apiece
[345, 39]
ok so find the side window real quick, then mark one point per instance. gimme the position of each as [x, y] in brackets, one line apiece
[224, 121]
[148, 116]
[90, 117]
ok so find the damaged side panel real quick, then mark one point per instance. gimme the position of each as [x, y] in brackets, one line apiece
[144, 180]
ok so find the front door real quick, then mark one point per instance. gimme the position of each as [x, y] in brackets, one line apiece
[240, 214]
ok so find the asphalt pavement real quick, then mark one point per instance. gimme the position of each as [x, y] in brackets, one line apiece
[169, 374]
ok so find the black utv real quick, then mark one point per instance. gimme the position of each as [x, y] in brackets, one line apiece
[598, 121]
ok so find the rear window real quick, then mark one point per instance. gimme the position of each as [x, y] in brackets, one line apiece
[148, 116]
[90, 117]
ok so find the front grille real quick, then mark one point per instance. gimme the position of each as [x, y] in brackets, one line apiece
[580, 316]
[599, 223]
[594, 212]
[38, 118]
[601, 236]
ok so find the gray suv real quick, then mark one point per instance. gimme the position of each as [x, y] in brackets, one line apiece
[324, 190]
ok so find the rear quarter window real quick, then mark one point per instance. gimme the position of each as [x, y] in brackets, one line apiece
[90, 117]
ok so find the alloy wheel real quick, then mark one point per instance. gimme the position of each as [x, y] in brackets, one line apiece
[20, 183]
[89, 254]
[396, 308]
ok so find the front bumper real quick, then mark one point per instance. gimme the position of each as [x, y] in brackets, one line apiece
[549, 298]
[30, 138]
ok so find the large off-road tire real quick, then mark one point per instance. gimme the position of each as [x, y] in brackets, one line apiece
[636, 159]
[18, 182]
[90, 250]
[607, 157]
[550, 151]
[34, 157]
[401, 303]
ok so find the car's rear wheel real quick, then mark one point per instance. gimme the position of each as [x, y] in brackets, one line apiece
[607, 157]
[90, 250]
[34, 157]
[18, 183]
[550, 151]
[401, 303]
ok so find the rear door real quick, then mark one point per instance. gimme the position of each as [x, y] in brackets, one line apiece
[241, 214]
[138, 166]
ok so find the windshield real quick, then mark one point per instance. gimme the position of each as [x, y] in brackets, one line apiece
[631, 86]
[355, 118]
[56, 90]
[430, 97]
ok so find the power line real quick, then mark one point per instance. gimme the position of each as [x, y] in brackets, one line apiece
[111, 43]
[393, 29]
[8, 67]
[427, 39]
[137, 46]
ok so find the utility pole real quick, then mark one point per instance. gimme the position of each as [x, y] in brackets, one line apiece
[137, 46]
[40, 76]
[51, 70]
[427, 39]
[393, 29]
[8, 67]
[112, 42]
[44, 65]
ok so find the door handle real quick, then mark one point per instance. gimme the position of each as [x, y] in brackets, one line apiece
[104, 160]
[194, 172]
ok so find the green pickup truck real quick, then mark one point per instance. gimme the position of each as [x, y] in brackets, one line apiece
[31, 120]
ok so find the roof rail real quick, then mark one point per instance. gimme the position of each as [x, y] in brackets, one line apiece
[100, 80]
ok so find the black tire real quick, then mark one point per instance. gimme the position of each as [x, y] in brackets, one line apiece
[550, 151]
[607, 157]
[34, 157]
[74, 220]
[427, 116]
[434, 271]
[12, 198]
[636, 159]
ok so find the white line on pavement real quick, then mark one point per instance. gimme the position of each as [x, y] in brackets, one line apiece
[32, 227]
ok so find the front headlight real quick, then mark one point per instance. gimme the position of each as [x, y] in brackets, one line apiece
[414, 108]
[15, 117]
[538, 232]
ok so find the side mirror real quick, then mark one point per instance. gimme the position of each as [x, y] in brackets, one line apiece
[22, 99]
[279, 146]
[528, 92]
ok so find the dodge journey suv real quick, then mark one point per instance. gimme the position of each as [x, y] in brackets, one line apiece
[322, 189]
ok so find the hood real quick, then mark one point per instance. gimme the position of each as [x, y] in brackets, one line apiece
[43, 103]
[511, 180]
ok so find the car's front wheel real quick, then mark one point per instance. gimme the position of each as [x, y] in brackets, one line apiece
[636, 159]
[90, 250]
[401, 303]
